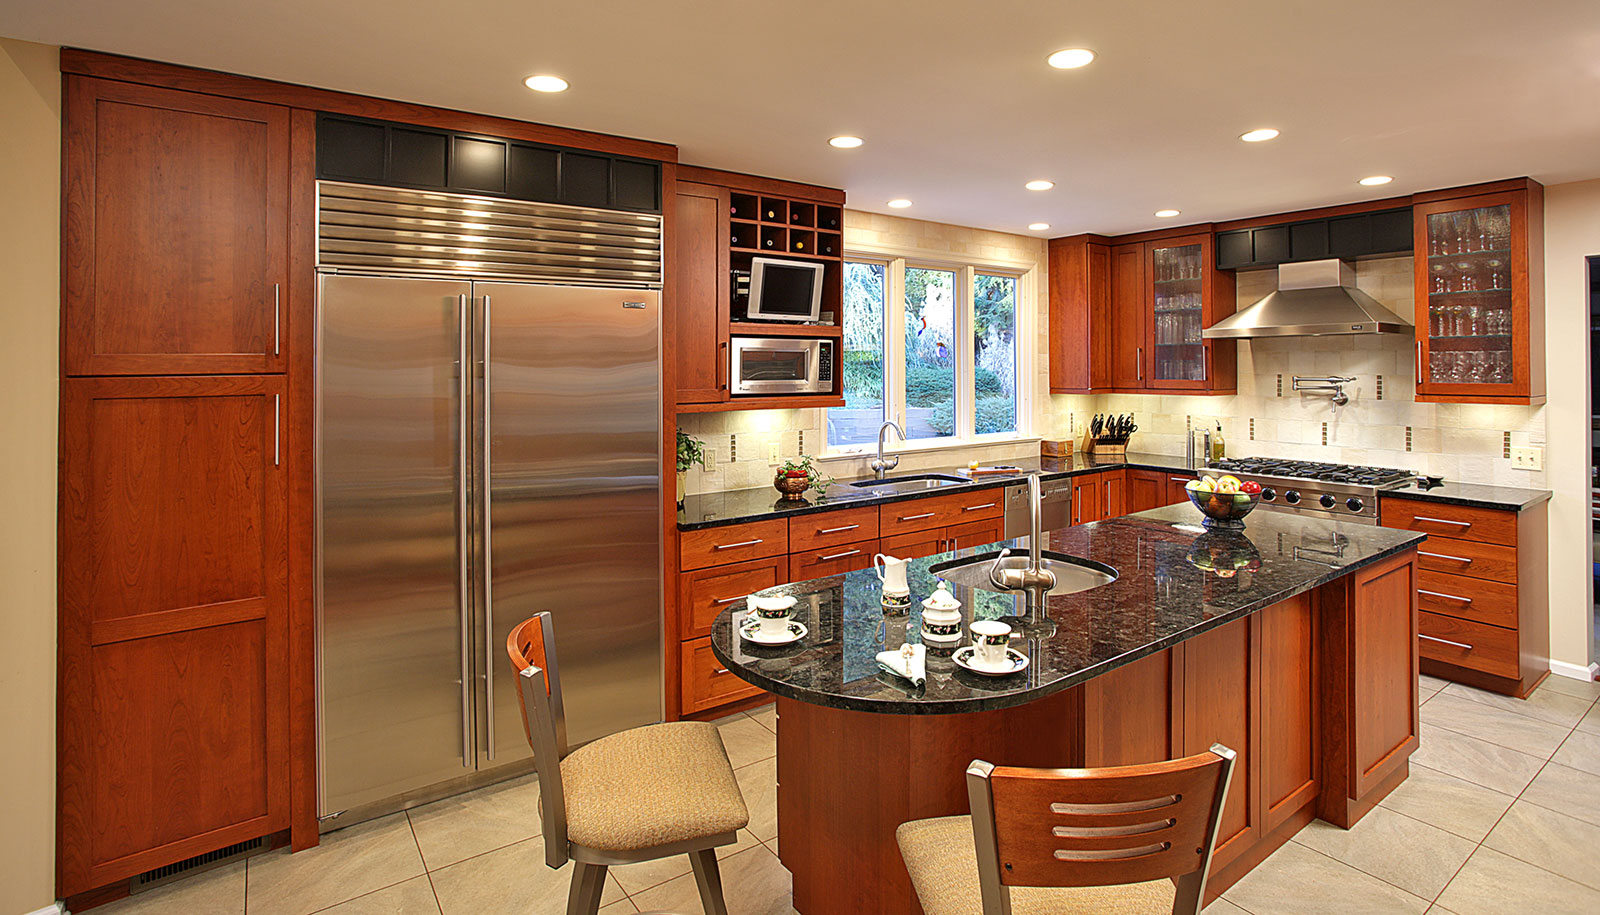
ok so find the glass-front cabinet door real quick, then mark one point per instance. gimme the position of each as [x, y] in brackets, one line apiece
[1186, 295]
[1472, 301]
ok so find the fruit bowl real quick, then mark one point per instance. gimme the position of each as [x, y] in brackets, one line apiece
[1224, 510]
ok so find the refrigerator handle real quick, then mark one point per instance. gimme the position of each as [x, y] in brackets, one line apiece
[488, 551]
[463, 541]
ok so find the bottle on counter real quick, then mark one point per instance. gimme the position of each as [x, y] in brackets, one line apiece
[1219, 448]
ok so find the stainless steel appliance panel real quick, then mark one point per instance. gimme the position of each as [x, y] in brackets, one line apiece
[395, 712]
[574, 525]
[1055, 507]
[779, 365]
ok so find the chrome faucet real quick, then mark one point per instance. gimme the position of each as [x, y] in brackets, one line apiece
[881, 463]
[1035, 575]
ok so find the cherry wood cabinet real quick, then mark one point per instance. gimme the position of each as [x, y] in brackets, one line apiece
[701, 295]
[1149, 489]
[173, 728]
[175, 241]
[1128, 282]
[1100, 495]
[1185, 293]
[1080, 314]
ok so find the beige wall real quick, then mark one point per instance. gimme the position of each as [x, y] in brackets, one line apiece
[30, 156]
[1571, 234]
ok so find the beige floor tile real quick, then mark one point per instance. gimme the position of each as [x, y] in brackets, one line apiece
[1223, 907]
[413, 897]
[728, 719]
[1452, 804]
[1395, 848]
[1495, 884]
[759, 785]
[1583, 689]
[747, 741]
[1581, 751]
[470, 824]
[766, 715]
[1571, 791]
[348, 862]
[489, 882]
[1299, 881]
[753, 883]
[1551, 840]
[1478, 761]
[1591, 722]
[636, 877]
[1494, 724]
[1439, 910]
[623, 907]
[1427, 684]
[215, 892]
[1545, 705]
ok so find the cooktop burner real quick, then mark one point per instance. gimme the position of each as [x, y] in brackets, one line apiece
[1314, 470]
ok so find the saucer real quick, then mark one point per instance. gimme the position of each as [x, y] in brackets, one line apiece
[750, 630]
[965, 658]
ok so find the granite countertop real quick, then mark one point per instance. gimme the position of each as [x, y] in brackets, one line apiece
[714, 509]
[1160, 598]
[1477, 495]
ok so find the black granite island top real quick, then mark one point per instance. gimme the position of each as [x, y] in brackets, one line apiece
[1166, 593]
[1477, 495]
[714, 509]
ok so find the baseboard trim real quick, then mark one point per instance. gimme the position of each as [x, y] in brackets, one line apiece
[54, 908]
[1574, 671]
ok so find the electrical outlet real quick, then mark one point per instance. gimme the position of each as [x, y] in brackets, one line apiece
[711, 460]
[772, 453]
[1527, 458]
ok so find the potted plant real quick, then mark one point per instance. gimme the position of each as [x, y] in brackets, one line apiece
[691, 451]
[795, 477]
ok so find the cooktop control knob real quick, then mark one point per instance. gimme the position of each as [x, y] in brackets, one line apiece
[1354, 504]
[1326, 500]
[1268, 494]
[1292, 497]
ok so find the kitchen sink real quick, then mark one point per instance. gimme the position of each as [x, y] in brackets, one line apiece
[1072, 574]
[920, 482]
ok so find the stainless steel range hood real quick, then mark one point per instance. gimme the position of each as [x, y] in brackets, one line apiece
[1313, 298]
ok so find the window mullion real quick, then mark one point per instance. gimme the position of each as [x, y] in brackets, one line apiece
[894, 343]
[966, 402]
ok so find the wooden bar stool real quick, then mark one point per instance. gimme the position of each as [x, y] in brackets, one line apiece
[646, 793]
[1125, 840]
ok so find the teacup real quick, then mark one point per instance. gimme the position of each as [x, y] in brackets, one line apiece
[991, 638]
[773, 613]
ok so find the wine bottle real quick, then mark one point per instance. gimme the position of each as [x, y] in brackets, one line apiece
[769, 243]
[772, 214]
[799, 246]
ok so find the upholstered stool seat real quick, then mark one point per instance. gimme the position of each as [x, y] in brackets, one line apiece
[650, 787]
[943, 862]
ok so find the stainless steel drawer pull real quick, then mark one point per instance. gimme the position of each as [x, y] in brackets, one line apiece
[729, 546]
[837, 555]
[1461, 559]
[719, 671]
[1464, 600]
[917, 517]
[277, 319]
[839, 530]
[1184, 480]
[277, 429]
[729, 600]
[1441, 521]
[1461, 645]
[974, 508]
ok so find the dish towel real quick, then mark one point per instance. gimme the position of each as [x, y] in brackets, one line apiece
[908, 662]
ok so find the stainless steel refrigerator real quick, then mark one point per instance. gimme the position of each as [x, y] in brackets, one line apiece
[487, 450]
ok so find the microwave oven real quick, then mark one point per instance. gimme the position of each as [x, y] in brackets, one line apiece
[780, 365]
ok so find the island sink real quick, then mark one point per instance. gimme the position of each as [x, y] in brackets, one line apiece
[1072, 574]
[920, 482]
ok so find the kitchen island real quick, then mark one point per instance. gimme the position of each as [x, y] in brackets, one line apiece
[1292, 642]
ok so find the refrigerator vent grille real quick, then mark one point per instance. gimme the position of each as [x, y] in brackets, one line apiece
[366, 229]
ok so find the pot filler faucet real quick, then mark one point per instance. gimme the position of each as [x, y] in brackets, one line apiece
[881, 463]
[1035, 575]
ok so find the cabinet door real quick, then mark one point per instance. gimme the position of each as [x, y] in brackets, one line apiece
[977, 533]
[914, 545]
[1127, 316]
[1221, 671]
[1176, 315]
[173, 564]
[1114, 486]
[1147, 489]
[700, 296]
[1473, 302]
[831, 560]
[176, 232]
[1088, 499]
[1177, 489]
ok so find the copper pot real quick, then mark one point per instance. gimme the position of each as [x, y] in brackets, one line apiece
[792, 487]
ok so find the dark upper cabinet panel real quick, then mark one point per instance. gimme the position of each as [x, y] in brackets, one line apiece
[1358, 235]
[1308, 241]
[1349, 236]
[1271, 244]
[1233, 249]
[401, 155]
[1391, 231]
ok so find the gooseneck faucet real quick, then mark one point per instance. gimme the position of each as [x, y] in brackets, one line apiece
[881, 463]
[1035, 575]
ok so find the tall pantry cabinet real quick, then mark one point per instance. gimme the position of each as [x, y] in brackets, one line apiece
[177, 455]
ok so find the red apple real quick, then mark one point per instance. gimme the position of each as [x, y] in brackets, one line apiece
[1251, 487]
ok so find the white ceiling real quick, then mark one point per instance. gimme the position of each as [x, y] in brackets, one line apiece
[953, 97]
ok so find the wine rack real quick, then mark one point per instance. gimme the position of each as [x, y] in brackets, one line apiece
[778, 225]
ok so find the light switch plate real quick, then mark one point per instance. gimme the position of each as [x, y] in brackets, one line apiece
[1528, 458]
[772, 453]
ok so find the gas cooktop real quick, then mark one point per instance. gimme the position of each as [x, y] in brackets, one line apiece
[1346, 491]
[1314, 470]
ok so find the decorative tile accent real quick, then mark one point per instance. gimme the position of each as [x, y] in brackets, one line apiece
[1408, 438]
[1505, 451]
[1378, 389]
[1252, 428]
[1324, 433]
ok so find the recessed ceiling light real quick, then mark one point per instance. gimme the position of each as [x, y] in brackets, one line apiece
[1070, 58]
[1258, 135]
[899, 203]
[1039, 185]
[1376, 180]
[845, 142]
[1166, 214]
[546, 83]
[1038, 226]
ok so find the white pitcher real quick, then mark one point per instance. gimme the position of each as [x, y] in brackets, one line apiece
[892, 572]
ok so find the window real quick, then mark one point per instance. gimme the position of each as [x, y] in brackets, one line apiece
[932, 346]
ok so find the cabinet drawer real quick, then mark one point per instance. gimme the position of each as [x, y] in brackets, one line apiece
[1467, 644]
[914, 545]
[706, 683]
[831, 560]
[1489, 561]
[1484, 525]
[850, 525]
[704, 593]
[940, 511]
[717, 546]
[1468, 598]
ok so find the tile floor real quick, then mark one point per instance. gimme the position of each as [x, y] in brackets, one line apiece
[1501, 813]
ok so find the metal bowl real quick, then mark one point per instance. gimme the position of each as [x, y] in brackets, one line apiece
[1225, 510]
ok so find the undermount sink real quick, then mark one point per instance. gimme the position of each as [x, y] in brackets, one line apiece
[1072, 573]
[912, 483]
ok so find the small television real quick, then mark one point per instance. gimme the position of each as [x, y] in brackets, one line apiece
[783, 290]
